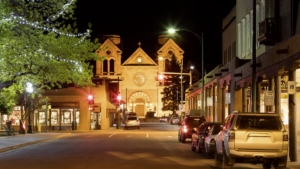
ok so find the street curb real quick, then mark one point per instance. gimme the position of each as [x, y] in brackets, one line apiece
[31, 143]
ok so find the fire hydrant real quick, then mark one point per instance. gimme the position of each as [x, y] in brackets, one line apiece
[39, 127]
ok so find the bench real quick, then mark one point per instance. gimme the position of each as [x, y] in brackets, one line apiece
[9, 131]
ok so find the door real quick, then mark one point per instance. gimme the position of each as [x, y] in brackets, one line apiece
[139, 110]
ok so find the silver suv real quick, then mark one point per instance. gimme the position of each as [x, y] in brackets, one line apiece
[253, 138]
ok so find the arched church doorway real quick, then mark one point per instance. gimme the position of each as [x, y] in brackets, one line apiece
[140, 107]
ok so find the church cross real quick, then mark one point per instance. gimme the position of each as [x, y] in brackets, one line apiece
[139, 44]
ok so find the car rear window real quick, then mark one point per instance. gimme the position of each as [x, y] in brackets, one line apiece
[132, 118]
[259, 122]
[217, 129]
[195, 121]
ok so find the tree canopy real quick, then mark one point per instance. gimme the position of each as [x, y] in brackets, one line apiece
[39, 43]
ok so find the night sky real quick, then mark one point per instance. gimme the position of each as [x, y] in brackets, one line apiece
[143, 21]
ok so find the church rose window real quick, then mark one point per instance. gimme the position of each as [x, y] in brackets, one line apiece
[139, 79]
[108, 52]
[170, 52]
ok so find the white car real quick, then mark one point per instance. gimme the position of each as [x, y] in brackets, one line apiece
[132, 121]
[253, 138]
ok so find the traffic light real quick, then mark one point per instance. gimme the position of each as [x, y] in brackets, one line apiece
[91, 100]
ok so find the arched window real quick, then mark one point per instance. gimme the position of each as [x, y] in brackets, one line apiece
[105, 66]
[112, 66]
[167, 65]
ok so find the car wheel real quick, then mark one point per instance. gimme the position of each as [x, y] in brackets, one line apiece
[198, 149]
[266, 165]
[192, 146]
[227, 160]
[182, 137]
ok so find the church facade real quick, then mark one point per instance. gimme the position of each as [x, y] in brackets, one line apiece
[139, 86]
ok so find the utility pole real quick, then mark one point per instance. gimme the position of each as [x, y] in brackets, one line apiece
[202, 101]
[254, 59]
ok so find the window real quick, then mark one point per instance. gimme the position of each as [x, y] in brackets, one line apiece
[42, 117]
[239, 41]
[257, 26]
[54, 117]
[67, 117]
[77, 117]
[244, 38]
[251, 30]
[262, 10]
[259, 122]
[112, 65]
[105, 66]
[248, 34]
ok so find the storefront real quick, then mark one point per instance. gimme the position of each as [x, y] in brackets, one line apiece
[14, 117]
[59, 117]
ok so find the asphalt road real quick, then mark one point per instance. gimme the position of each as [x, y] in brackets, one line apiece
[154, 146]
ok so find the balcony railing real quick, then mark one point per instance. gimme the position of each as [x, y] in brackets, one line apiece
[269, 32]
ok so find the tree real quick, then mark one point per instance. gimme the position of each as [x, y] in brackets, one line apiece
[39, 45]
[172, 87]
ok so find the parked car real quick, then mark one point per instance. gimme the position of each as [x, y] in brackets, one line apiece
[174, 119]
[199, 135]
[189, 124]
[132, 121]
[163, 119]
[210, 139]
[253, 138]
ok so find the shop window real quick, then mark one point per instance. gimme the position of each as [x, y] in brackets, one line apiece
[77, 117]
[42, 117]
[66, 117]
[54, 118]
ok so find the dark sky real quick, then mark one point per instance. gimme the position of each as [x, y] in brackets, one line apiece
[142, 21]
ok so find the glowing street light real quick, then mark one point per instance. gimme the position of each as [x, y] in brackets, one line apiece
[171, 30]
[161, 77]
[119, 98]
[90, 97]
[29, 89]
[192, 67]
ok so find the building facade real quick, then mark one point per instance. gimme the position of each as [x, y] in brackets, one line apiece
[228, 87]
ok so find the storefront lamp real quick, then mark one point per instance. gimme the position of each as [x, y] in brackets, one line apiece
[146, 104]
[90, 97]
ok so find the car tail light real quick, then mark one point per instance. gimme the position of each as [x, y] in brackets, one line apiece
[185, 128]
[231, 135]
[202, 137]
[285, 137]
[212, 140]
[127, 120]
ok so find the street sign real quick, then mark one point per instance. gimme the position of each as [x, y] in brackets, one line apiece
[182, 108]
[269, 98]
[44, 106]
[291, 87]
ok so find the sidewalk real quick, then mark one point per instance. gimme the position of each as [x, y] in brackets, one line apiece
[10, 143]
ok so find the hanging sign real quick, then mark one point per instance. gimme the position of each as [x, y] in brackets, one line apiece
[291, 87]
[210, 101]
[269, 98]
[227, 98]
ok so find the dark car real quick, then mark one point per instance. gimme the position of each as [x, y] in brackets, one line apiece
[210, 139]
[198, 137]
[163, 119]
[187, 126]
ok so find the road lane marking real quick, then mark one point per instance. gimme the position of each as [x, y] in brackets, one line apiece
[147, 135]
[112, 135]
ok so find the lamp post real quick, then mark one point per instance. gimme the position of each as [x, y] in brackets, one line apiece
[29, 90]
[201, 39]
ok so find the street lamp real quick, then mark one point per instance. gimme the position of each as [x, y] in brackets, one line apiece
[201, 39]
[192, 67]
[29, 90]
[161, 77]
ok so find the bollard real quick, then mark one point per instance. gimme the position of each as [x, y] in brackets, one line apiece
[39, 127]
